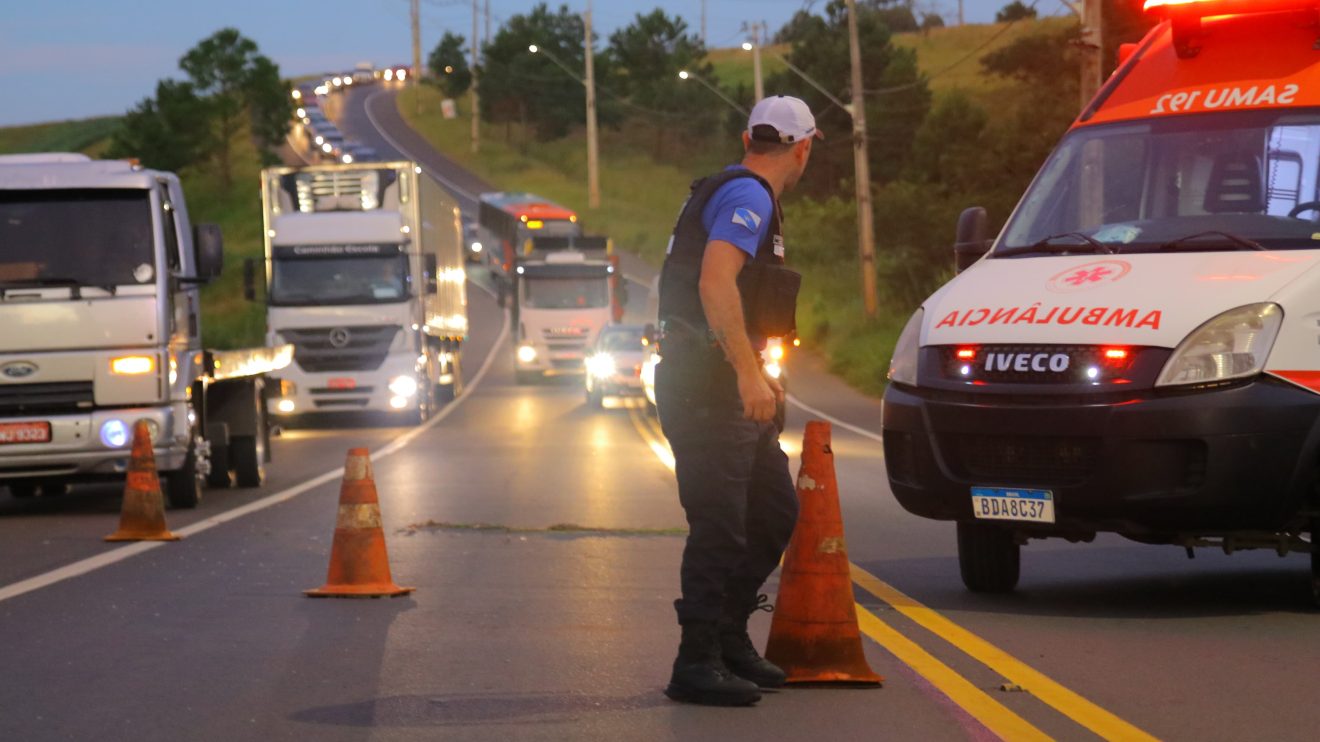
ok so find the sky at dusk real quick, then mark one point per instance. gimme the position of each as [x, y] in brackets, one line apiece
[66, 59]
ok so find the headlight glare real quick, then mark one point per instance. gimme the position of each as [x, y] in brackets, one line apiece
[601, 366]
[526, 353]
[1233, 345]
[114, 433]
[403, 386]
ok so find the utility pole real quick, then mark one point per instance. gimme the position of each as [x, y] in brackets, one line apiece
[476, 99]
[487, 37]
[1091, 15]
[862, 170]
[961, 20]
[703, 22]
[417, 55]
[758, 89]
[593, 155]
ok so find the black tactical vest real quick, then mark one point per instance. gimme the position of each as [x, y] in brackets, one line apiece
[681, 314]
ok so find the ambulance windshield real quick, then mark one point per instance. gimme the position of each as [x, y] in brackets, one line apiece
[1218, 181]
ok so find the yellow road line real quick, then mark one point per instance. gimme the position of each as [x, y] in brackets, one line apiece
[1066, 702]
[985, 709]
[994, 715]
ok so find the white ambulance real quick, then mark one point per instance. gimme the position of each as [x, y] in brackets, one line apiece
[1138, 352]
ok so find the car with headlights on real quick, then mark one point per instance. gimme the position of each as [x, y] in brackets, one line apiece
[614, 364]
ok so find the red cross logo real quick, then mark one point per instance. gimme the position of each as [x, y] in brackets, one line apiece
[1089, 275]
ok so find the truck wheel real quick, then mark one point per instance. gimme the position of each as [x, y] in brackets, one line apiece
[988, 557]
[183, 488]
[449, 392]
[22, 490]
[249, 456]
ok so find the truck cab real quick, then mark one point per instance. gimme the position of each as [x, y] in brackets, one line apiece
[1136, 353]
[99, 280]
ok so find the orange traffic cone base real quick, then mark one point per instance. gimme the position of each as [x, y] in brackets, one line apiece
[359, 591]
[122, 535]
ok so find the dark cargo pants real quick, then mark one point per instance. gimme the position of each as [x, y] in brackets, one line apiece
[735, 487]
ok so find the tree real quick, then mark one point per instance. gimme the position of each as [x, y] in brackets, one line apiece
[1015, 11]
[931, 20]
[520, 86]
[236, 80]
[449, 67]
[896, 105]
[646, 57]
[164, 132]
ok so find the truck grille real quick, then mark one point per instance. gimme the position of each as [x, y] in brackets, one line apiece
[1013, 459]
[566, 339]
[354, 348]
[57, 398]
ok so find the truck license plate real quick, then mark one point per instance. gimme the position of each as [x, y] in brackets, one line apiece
[342, 383]
[24, 433]
[1001, 503]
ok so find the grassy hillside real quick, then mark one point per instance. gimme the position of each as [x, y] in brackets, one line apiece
[733, 67]
[87, 135]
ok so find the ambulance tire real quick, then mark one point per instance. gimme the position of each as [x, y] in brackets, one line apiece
[989, 559]
[1315, 562]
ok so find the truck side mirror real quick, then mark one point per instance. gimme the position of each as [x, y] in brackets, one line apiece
[429, 266]
[208, 251]
[970, 242]
[250, 279]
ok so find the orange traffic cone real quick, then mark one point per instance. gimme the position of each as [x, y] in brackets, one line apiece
[359, 564]
[143, 514]
[814, 635]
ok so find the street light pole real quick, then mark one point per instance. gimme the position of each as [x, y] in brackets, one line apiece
[593, 159]
[476, 98]
[862, 171]
[417, 55]
[758, 88]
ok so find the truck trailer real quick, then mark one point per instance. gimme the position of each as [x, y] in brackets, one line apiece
[100, 327]
[364, 276]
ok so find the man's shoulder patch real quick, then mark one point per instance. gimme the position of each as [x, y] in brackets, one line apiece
[748, 218]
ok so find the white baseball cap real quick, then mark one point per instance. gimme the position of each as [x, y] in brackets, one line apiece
[788, 116]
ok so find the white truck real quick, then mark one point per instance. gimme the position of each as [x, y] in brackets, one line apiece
[565, 289]
[364, 275]
[100, 327]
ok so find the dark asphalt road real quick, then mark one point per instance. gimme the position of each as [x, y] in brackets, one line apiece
[536, 634]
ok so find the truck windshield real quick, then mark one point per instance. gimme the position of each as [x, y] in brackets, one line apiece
[565, 292]
[309, 281]
[1216, 181]
[96, 237]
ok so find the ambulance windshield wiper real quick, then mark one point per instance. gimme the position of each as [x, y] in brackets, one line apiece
[1047, 245]
[1225, 238]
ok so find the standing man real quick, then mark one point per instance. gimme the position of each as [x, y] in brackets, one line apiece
[723, 291]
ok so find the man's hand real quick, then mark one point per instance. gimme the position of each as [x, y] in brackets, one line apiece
[760, 396]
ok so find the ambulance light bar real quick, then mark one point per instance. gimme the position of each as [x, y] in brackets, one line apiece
[1205, 8]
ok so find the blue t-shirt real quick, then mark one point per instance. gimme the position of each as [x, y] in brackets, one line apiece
[739, 213]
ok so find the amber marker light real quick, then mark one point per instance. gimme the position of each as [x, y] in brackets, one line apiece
[132, 365]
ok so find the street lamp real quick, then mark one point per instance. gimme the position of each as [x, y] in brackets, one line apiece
[685, 75]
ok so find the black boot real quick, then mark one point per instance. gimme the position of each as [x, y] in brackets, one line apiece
[699, 675]
[736, 648]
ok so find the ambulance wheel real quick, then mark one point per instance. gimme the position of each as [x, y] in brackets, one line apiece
[1315, 561]
[988, 558]
[183, 488]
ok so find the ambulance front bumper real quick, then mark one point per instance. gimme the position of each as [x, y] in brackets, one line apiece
[1235, 459]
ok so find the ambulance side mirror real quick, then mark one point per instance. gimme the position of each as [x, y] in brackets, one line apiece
[970, 242]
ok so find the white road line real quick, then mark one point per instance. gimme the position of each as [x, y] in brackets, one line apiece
[366, 105]
[91, 564]
[834, 420]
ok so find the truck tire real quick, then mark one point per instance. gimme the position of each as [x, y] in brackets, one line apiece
[22, 490]
[221, 475]
[248, 453]
[988, 558]
[183, 488]
[446, 393]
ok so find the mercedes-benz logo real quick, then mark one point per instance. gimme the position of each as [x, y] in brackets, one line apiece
[339, 337]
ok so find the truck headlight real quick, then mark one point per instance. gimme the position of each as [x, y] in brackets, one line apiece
[903, 364]
[526, 353]
[114, 433]
[476, 247]
[403, 386]
[1233, 345]
[132, 365]
[601, 366]
[285, 406]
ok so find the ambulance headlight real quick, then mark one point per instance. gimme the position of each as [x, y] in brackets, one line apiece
[1233, 345]
[903, 364]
